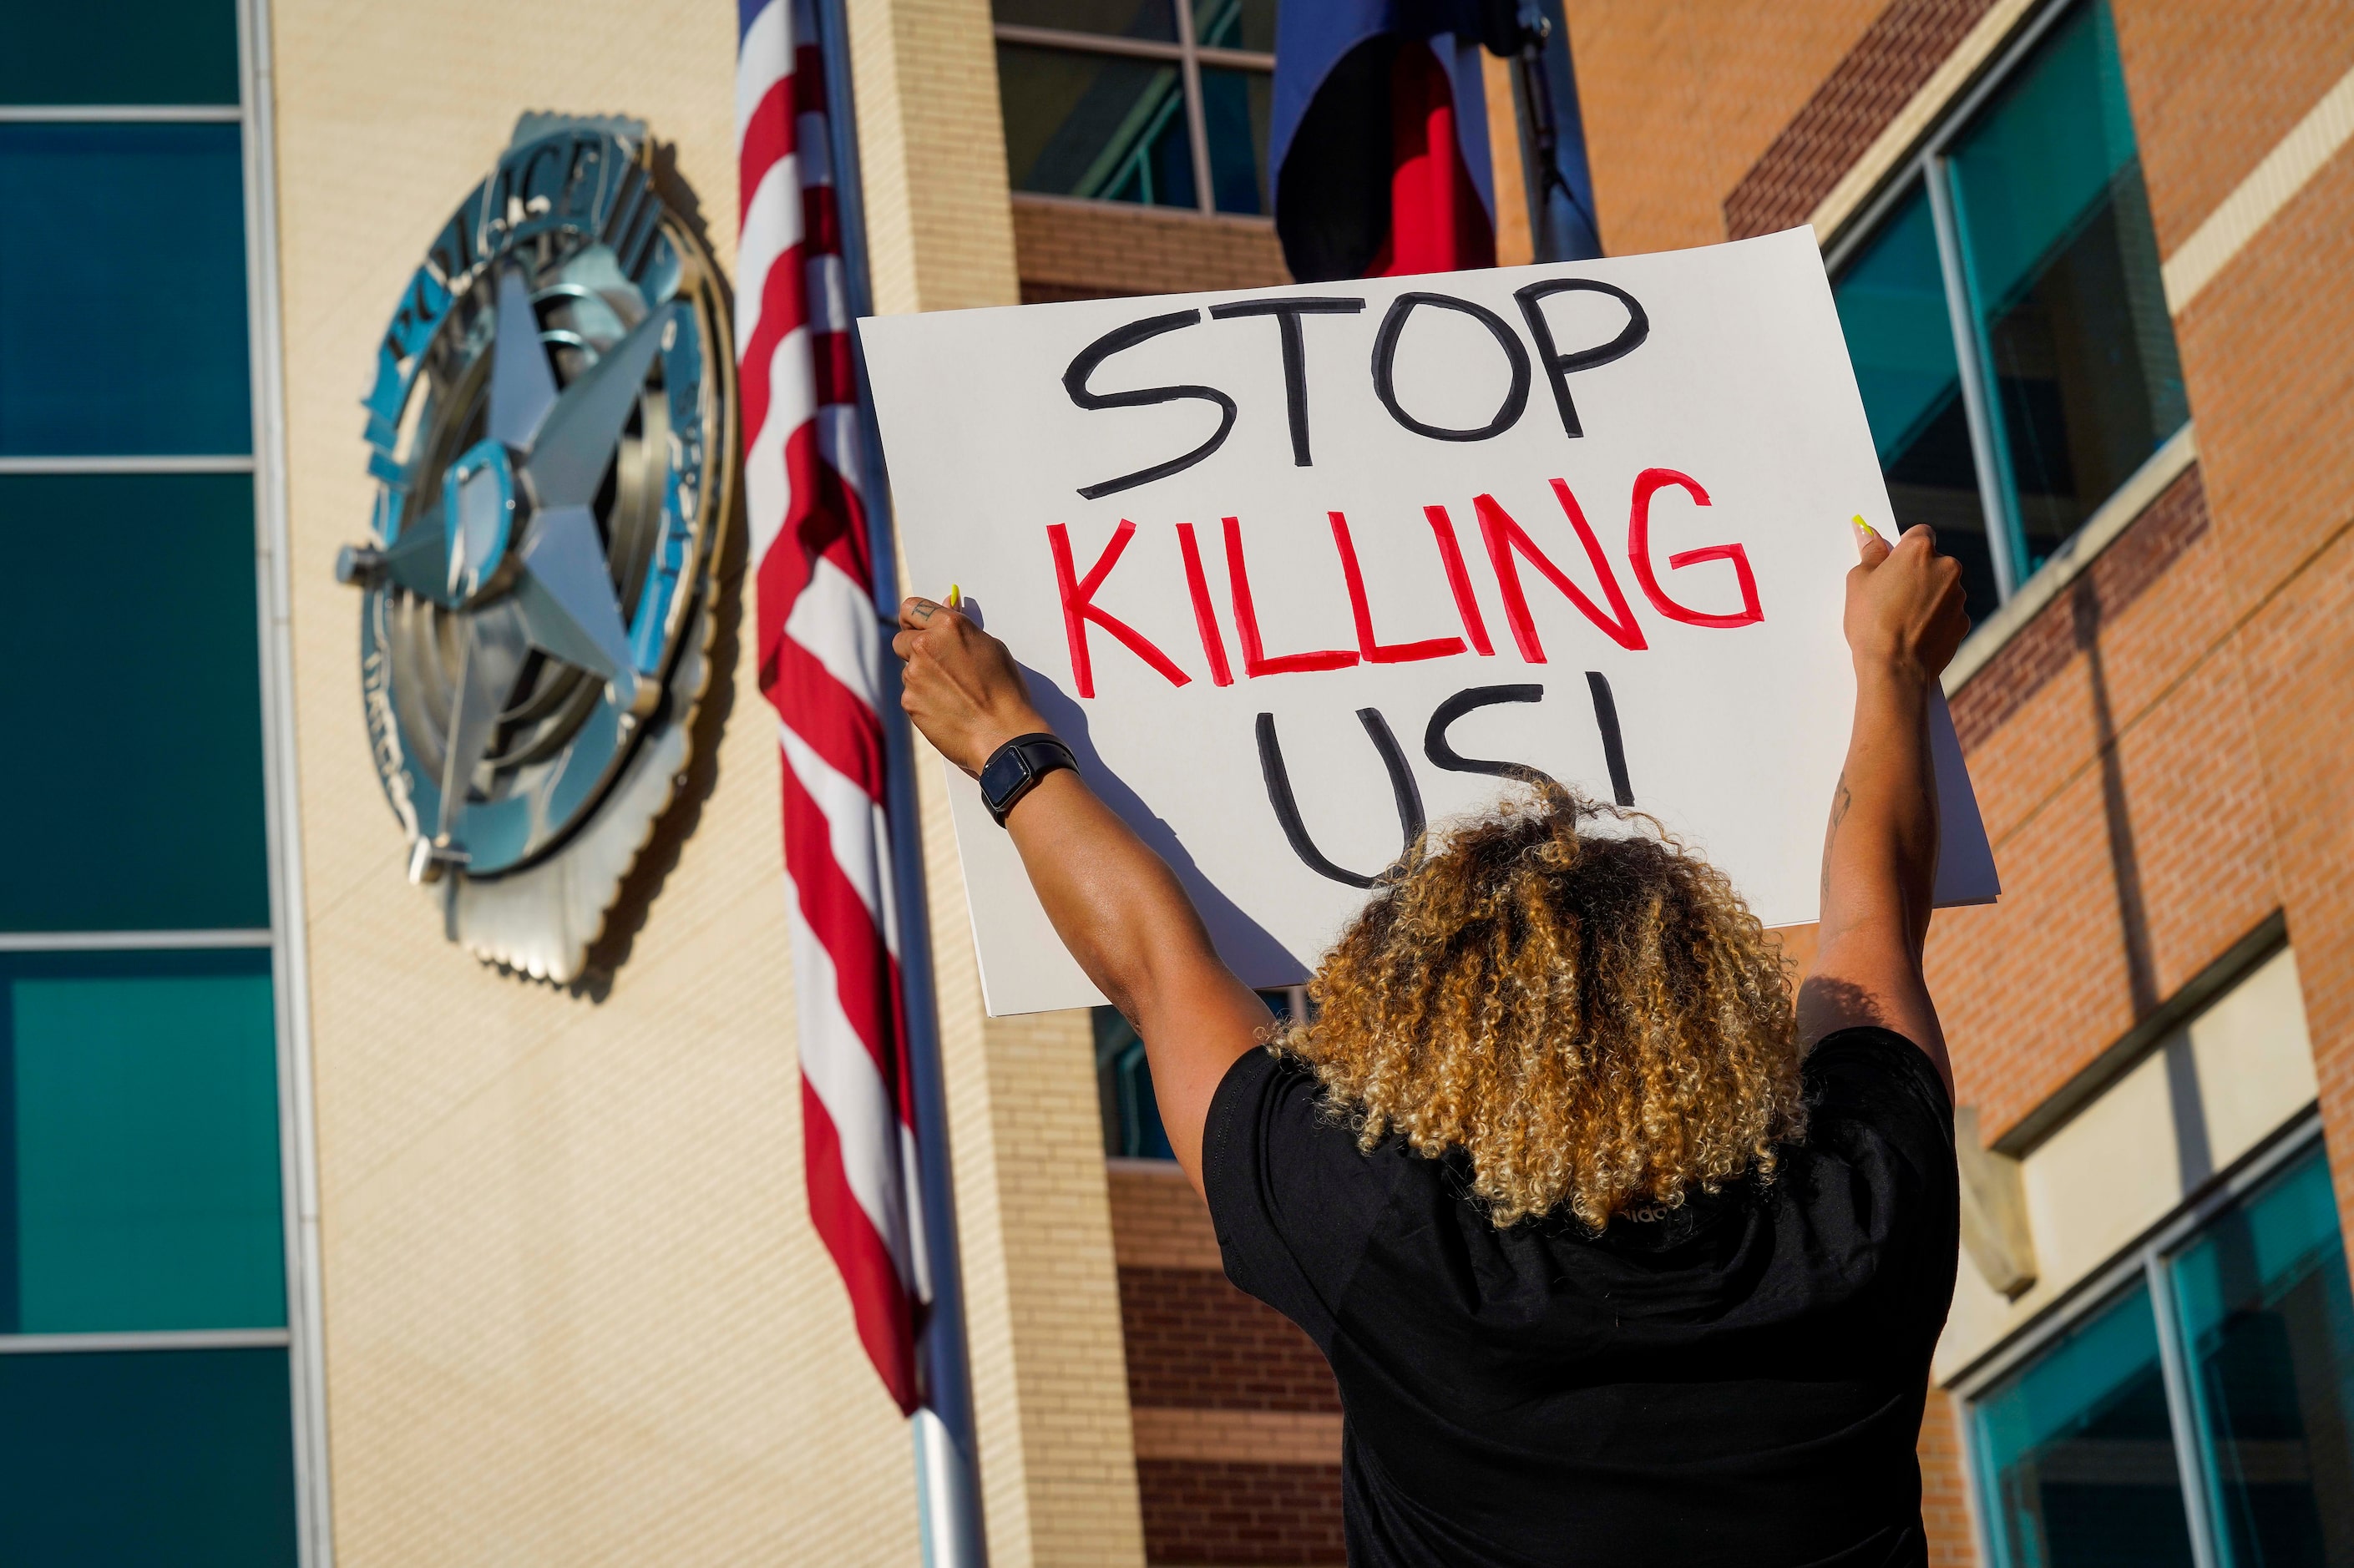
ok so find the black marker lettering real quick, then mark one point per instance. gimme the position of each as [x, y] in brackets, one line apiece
[1403, 792]
[1558, 365]
[1442, 754]
[1385, 344]
[1614, 750]
[1287, 314]
[1075, 382]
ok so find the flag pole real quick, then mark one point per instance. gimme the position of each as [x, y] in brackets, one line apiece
[947, 1489]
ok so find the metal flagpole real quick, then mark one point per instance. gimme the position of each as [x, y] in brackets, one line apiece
[1532, 35]
[947, 1458]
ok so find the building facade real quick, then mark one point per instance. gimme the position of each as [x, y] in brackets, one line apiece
[325, 1240]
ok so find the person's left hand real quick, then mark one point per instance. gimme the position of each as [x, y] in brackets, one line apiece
[962, 686]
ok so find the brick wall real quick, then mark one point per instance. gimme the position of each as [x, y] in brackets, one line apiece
[1945, 1494]
[1681, 97]
[1237, 1422]
[1090, 250]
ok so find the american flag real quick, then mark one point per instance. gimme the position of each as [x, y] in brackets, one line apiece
[820, 647]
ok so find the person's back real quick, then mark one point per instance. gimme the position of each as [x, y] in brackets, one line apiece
[1617, 1257]
[1738, 1380]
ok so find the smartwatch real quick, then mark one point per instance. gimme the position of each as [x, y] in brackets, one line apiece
[1014, 768]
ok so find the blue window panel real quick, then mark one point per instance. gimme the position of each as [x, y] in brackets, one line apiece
[132, 790]
[140, 1157]
[138, 1459]
[1900, 337]
[2075, 1451]
[124, 52]
[122, 323]
[2268, 1331]
[1095, 125]
[2063, 273]
[1237, 111]
[1131, 1115]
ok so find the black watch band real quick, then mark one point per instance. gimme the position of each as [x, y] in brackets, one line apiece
[1014, 768]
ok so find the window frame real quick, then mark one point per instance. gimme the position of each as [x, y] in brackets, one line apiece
[301, 1337]
[2149, 1261]
[1189, 56]
[1925, 168]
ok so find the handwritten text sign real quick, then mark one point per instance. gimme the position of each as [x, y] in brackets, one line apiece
[1298, 571]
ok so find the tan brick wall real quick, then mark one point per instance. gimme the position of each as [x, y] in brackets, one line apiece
[1088, 249]
[1945, 1493]
[575, 1310]
[1681, 97]
[2214, 87]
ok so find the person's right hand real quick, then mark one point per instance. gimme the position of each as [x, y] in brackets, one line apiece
[1905, 605]
[961, 685]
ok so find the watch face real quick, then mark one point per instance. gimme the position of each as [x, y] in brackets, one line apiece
[1002, 777]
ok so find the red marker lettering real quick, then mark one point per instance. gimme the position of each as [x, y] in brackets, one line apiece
[1503, 536]
[1474, 625]
[1372, 651]
[1254, 660]
[1205, 622]
[1079, 608]
[1638, 555]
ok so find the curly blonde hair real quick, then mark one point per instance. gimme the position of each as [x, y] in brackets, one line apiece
[1594, 1017]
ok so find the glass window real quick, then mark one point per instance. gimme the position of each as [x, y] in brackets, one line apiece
[2248, 1395]
[134, 797]
[2077, 1452]
[1131, 1116]
[1095, 125]
[2007, 428]
[1113, 18]
[2268, 1331]
[148, 1456]
[1151, 119]
[126, 333]
[139, 1147]
[1891, 305]
[2055, 238]
[125, 51]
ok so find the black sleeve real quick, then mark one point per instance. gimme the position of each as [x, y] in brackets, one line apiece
[1292, 1197]
[1876, 1084]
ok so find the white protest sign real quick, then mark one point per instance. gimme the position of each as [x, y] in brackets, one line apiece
[1296, 571]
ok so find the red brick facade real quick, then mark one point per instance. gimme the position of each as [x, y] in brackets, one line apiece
[2164, 754]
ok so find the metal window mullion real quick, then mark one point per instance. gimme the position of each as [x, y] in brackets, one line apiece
[1197, 127]
[143, 1339]
[121, 113]
[131, 941]
[1978, 394]
[1089, 43]
[224, 463]
[2182, 1414]
[290, 955]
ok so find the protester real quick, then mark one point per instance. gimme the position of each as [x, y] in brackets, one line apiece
[1617, 1256]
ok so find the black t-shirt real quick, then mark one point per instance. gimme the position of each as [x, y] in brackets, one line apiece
[1738, 1382]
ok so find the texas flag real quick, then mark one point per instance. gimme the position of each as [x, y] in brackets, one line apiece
[1380, 140]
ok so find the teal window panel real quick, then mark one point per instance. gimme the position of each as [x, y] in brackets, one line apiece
[132, 786]
[1235, 24]
[122, 322]
[1095, 125]
[125, 51]
[138, 1459]
[142, 1153]
[2075, 1451]
[2268, 1331]
[1900, 337]
[2061, 266]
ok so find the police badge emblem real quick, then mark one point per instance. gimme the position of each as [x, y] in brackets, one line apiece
[552, 434]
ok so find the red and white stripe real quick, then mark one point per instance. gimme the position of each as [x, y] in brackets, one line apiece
[820, 645]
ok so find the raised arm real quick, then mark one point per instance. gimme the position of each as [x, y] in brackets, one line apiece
[1904, 620]
[1116, 905]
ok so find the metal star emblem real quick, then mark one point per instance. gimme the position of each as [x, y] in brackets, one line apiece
[510, 545]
